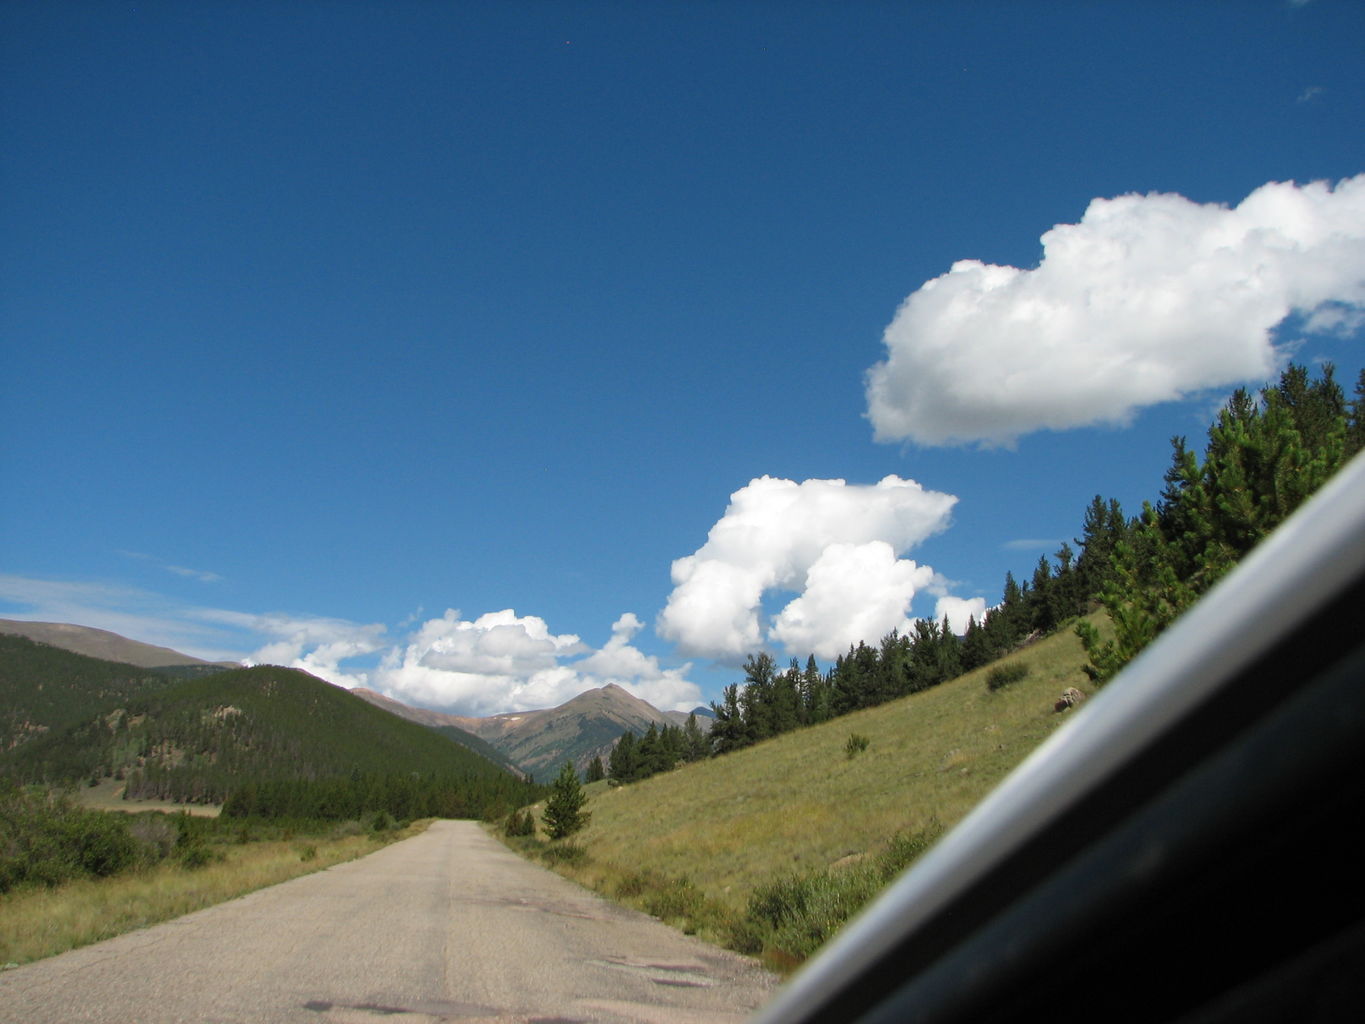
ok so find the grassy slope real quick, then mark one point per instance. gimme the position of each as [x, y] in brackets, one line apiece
[797, 803]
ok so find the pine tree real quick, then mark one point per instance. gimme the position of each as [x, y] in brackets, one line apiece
[786, 702]
[727, 731]
[975, 649]
[1355, 420]
[756, 698]
[1104, 526]
[596, 771]
[696, 743]
[815, 694]
[651, 753]
[564, 814]
[623, 764]
[1263, 459]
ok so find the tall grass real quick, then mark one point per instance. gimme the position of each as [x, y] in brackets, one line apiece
[40, 922]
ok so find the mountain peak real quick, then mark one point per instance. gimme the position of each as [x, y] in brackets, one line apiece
[583, 727]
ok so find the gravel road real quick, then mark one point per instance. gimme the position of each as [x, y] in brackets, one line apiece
[446, 926]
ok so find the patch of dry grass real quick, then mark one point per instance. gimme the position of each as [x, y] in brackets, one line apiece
[108, 796]
[36, 923]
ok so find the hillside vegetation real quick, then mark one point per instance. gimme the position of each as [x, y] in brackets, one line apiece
[45, 688]
[308, 746]
[828, 784]
[697, 845]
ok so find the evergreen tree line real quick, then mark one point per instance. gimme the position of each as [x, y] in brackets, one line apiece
[769, 701]
[403, 796]
[1264, 458]
[656, 750]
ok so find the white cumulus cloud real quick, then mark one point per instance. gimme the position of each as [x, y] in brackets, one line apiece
[317, 645]
[853, 592]
[958, 610]
[496, 662]
[1148, 299]
[501, 661]
[834, 544]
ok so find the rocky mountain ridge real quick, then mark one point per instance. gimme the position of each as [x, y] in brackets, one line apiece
[578, 730]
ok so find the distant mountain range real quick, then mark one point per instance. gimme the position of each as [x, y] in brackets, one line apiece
[56, 679]
[540, 742]
[100, 643]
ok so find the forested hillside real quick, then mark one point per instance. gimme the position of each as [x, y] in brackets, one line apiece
[44, 688]
[201, 740]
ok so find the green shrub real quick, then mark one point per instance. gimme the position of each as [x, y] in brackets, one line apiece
[1005, 675]
[792, 917]
[904, 849]
[856, 744]
[520, 823]
[45, 839]
[100, 842]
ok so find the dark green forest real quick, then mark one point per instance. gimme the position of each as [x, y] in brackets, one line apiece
[45, 688]
[1264, 455]
[291, 744]
[402, 796]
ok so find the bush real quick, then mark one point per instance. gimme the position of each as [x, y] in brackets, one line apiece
[191, 845]
[793, 917]
[856, 744]
[519, 823]
[101, 843]
[1005, 675]
[46, 840]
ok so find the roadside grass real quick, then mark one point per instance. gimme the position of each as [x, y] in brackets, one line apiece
[41, 922]
[697, 846]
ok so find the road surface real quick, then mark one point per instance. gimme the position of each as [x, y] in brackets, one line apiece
[446, 926]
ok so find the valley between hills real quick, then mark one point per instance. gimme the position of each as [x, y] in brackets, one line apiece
[694, 846]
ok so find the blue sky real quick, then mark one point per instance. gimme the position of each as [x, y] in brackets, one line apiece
[425, 345]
